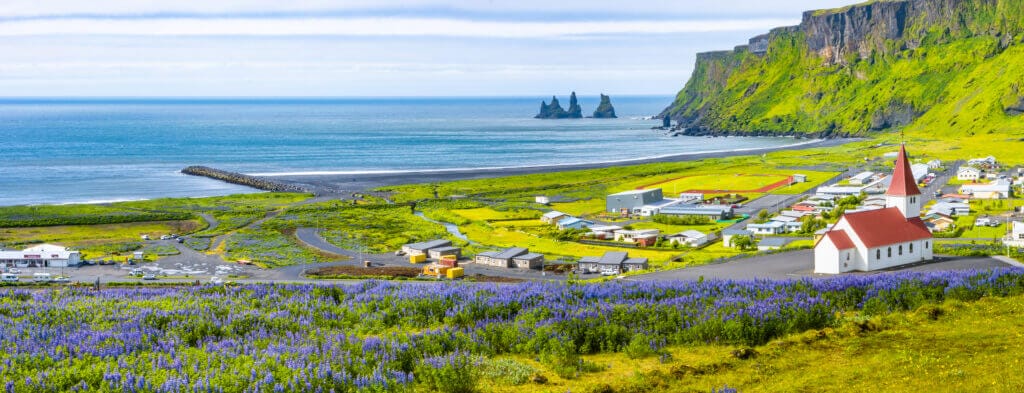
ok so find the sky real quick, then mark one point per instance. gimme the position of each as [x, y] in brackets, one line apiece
[356, 48]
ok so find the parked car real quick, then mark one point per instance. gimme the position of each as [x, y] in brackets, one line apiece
[181, 240]
[13, 271]
[8, 277]
[145, 237]
[164, 237]
[137, 273]
[149, 276]
[216, 280]
[62, 279]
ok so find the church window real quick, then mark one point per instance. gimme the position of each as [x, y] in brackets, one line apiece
[925, 245]
[901, 249]
[889, 253]
[878, 254]
[911, 248]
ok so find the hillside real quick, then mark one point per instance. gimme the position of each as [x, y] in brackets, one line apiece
[935, 66]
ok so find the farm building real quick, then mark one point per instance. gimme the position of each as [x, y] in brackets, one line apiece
[612, 263]
[657, 207]
[692, 197]
[950, 208]
[541, 199]
[798, 178]
[437, 253]
[999, 189]
[862, 178]
[690, 238]
[631, 201]
[423, 247]
[573, 223]
[500, 258]
[712, 212]
[43, 255]
[934, 164]
[552, 217]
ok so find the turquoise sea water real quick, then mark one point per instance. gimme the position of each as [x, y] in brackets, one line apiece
[89, 150]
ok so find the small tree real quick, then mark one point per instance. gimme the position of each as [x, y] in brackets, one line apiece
[762, 216]
[743, 243]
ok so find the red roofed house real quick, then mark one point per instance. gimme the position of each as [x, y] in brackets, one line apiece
[879, 239]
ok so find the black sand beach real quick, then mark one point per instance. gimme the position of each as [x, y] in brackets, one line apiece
[334, 183]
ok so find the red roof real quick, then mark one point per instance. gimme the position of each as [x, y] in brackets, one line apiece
[886, 226]
[803, 208]
[840, 239]
[903, 183]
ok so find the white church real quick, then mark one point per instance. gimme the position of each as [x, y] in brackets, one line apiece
[879, 239]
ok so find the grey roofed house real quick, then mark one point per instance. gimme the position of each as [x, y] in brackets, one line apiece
[528, 261]
[718, 212]
[734, 232]
[772, 243]
[613, 258]
[423, 247]
[500, 258]
[633, 264]
[442, 251]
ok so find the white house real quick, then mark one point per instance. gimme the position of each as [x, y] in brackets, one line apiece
[950, 208]
[862, 178]
[934, 164]
[768, 228]
[43, 255]
[968, 173]
[691, 197]
[541, 199]
[656, 207]
[879, 239]
[631, 236]
[1016, 236]
[691, 238]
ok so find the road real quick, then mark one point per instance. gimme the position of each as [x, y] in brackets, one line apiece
[799, 264]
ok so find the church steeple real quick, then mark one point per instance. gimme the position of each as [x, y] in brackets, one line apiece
[903, 192]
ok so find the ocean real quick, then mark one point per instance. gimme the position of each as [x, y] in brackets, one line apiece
[101, 150]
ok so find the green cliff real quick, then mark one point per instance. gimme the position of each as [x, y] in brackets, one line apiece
[934, 66]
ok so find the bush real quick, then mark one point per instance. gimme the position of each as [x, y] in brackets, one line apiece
[680, 220]
[456, 372]
[508, 370]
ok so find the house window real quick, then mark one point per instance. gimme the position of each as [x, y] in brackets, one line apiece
[878, 254]
[911, 248]
[889, 253]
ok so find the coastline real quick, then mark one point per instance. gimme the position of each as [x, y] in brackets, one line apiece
[335, 182]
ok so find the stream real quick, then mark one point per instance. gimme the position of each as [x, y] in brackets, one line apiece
[451, 228]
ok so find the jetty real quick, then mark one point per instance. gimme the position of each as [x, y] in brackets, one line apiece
[260, 183]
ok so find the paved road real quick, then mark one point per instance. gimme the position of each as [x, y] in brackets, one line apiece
[797, 264]
[211, 222]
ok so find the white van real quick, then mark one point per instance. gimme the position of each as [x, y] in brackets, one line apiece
[41, 277]
[9, 277]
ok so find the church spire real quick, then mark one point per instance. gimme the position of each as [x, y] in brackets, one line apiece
[903, 182]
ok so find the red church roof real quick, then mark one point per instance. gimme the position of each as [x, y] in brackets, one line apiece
[903, 183]
[886, 226]
[840, 239]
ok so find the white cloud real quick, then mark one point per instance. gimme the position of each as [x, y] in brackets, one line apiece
[369, 27]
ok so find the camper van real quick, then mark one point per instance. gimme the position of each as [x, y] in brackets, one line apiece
[8, 277]
[41, 277]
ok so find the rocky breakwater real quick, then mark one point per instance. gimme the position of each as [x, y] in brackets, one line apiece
[260, 183]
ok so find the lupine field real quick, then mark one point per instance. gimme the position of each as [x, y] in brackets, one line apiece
[381, 337]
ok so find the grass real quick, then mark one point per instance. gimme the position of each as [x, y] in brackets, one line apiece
[953, 347]
[95, 241]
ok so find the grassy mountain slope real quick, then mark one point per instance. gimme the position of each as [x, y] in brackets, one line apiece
[947, 66]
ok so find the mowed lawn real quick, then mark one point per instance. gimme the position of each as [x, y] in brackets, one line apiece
[91, 238]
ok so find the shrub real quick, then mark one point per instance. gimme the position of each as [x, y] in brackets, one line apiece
[508, 370]
[456, 372]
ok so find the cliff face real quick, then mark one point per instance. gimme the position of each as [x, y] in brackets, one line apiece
[865, 67]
